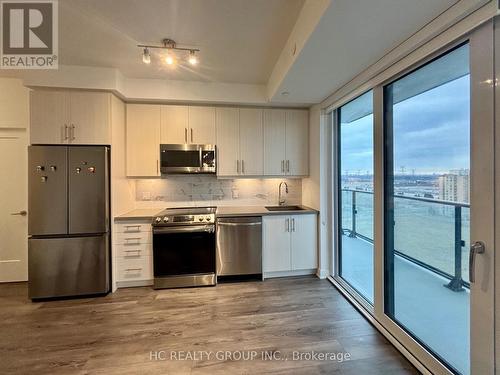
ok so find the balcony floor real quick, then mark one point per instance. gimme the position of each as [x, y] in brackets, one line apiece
[436, 315]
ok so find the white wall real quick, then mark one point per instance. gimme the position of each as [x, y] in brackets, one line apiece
[14, 104]
[315, 187]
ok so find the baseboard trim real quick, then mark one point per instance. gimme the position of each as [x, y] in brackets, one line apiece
[134, 283]
[270, 275]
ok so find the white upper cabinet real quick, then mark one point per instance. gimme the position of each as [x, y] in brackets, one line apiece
[286, 146]
[228, 135]
[143, 140]
[240, 145]
[49, 122]
[274, 142]
[201, 125]
[251, 142]
[70, 117]
[297, 142]
[90, 118]
[174, 124]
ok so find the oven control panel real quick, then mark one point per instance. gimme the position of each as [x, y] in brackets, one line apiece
[184, 219]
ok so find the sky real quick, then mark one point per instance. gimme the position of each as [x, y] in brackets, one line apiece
[431, 133]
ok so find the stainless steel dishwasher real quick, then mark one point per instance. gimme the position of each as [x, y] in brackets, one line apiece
[239, 246]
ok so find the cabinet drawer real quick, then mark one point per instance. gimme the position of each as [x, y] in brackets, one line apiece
[133, 251]
[132, 239]
[132, 227]
[135, 269]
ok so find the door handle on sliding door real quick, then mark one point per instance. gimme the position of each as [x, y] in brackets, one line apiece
[477, 247]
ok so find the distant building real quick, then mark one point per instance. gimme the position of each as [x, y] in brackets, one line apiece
[454, 186]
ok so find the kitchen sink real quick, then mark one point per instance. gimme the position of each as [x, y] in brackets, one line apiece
[284, 208]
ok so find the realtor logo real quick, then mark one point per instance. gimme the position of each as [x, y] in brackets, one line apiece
[29, 37]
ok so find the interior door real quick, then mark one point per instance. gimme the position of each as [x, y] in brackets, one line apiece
[251, 142]
[228, 135]
[13, 206]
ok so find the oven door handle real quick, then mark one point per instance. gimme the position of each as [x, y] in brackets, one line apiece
[180, 229]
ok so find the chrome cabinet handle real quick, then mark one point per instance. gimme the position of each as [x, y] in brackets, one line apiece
[243, 166]
[282, 166]
[138, 228]
[191, 134]
[133, 269]
[287, 225]
[20, 213]
[237, 166]
[72, 132]
[293, 225]
[185, 135]
[65, 132]
[138, 252]
[288, 166]
[477, 247]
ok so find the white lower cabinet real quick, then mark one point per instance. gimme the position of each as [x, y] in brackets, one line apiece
[133, 253]
[289, 244]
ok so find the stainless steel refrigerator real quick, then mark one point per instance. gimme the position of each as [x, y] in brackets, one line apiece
[68, 224]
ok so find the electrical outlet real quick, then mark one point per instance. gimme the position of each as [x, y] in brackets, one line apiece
[146, 195]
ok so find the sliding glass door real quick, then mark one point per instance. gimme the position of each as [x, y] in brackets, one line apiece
[427, 215]
[355, 194]
[414, 188]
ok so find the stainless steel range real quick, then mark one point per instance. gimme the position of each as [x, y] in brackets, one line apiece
[184, 247]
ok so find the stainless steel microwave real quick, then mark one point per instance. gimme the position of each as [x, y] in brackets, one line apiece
[187, 159]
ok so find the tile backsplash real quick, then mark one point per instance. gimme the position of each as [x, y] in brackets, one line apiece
[208, 190]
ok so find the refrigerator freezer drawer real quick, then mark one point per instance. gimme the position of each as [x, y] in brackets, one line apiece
[71, 266]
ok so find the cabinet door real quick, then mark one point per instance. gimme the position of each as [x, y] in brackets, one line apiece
[201, 125]
[251, 142]
[143, 136]
[274, 142]
[297, 142]
[49, 117]
[303, 242]
[276, 243]
[90, 118]
[174, 124]
[227, 127]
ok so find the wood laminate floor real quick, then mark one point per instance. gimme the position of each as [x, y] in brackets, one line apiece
[116, 334]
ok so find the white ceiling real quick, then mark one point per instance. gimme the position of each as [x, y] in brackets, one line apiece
[351, 36]
[240, 40]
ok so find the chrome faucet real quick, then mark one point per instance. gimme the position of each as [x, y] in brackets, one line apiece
[281, 202]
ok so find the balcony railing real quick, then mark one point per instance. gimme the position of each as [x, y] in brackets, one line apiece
[428, 232]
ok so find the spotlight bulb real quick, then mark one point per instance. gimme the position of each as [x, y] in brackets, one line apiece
[146, 56]
[169, 59]
[192, 58]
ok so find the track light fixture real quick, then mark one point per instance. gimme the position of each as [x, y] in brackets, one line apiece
[171, 46]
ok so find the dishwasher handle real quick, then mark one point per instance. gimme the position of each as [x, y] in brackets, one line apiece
[229, 224]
